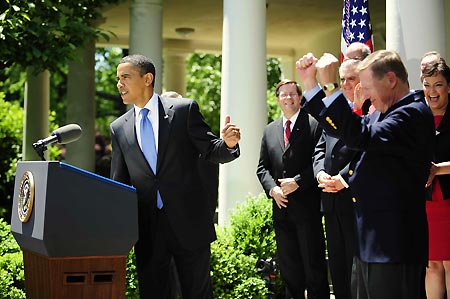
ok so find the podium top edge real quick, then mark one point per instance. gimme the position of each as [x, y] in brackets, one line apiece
[85, 172]
[96, 176]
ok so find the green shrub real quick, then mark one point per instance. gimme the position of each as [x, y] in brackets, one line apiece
[12, 281]
[251, 227]
[132, 288]
[249, 237]
[11, 125]
[232, 271]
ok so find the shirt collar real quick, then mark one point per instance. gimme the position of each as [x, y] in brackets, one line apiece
[293, 119]
[151, 105]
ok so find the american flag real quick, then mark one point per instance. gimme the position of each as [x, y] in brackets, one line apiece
[356, 25]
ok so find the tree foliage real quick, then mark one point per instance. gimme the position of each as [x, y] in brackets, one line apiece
[203, 84]
[109, 104]
[45, 34]
[11, 115]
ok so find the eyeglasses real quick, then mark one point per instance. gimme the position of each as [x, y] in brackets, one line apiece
[286, 95]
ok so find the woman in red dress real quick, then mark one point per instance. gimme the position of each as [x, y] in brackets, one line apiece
[436, 85]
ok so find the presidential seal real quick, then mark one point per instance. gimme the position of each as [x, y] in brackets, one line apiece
[26, 196]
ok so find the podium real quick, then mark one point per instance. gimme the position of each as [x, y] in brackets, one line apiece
[75, 229]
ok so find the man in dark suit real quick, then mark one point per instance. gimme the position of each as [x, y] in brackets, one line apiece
[286, 174]
[173, 209]
[395, 145]
[209, 174]
[331, 165]
[209, 171]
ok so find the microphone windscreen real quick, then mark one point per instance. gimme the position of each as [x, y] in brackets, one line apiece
[68, 133]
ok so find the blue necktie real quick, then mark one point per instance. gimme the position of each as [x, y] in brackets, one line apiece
[149, 147]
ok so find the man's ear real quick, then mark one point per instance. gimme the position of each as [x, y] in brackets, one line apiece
[148, 79]
[392, 78]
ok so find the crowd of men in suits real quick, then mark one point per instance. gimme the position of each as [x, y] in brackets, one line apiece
[321, 147]
[376, 225]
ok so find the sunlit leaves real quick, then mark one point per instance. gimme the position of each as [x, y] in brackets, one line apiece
[45, 34]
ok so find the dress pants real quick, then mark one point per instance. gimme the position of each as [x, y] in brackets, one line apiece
[340, 228]
[388, 280]
[154, 264]
[301, 256]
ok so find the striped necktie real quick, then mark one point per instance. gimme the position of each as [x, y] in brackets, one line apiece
[287, 132]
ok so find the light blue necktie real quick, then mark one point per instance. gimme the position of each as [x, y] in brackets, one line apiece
[149, 147]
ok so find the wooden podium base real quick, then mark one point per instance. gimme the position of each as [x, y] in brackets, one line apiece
[74, 277]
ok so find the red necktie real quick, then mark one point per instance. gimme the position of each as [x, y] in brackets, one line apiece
[287, 132]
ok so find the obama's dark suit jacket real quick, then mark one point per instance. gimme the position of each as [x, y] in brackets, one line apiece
[183, 136]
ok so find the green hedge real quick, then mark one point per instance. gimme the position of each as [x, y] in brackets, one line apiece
[12, 281]
[11, 115]
[234, 255]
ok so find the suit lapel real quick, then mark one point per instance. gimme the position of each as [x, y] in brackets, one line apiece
[166, 115]
[129, 129]
[302, 118]
[280, 133]
[130, 133]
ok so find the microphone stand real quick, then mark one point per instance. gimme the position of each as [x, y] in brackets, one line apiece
[40, 148]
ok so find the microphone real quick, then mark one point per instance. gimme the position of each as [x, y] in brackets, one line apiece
[66, 134]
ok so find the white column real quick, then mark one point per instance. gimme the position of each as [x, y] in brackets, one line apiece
[243, 97]
[412, 36]
[174, 71]
[146, 33]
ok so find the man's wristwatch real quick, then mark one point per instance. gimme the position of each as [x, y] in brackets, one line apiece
[330, 86]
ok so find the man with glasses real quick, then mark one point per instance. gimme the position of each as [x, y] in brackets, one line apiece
[286, 173]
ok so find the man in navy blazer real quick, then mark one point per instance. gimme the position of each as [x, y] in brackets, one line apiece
[387, 177]
[183, 228]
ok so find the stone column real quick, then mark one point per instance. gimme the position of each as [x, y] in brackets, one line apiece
[81, 107]
[174, 71]
[146, 33]
[410, 37]
[244, 83]
[36, 109]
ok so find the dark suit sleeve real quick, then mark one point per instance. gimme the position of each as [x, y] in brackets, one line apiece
[306, 178]
[395, 135]
[319, 155]
[211, 147]
[263, 169]
[119, 170]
